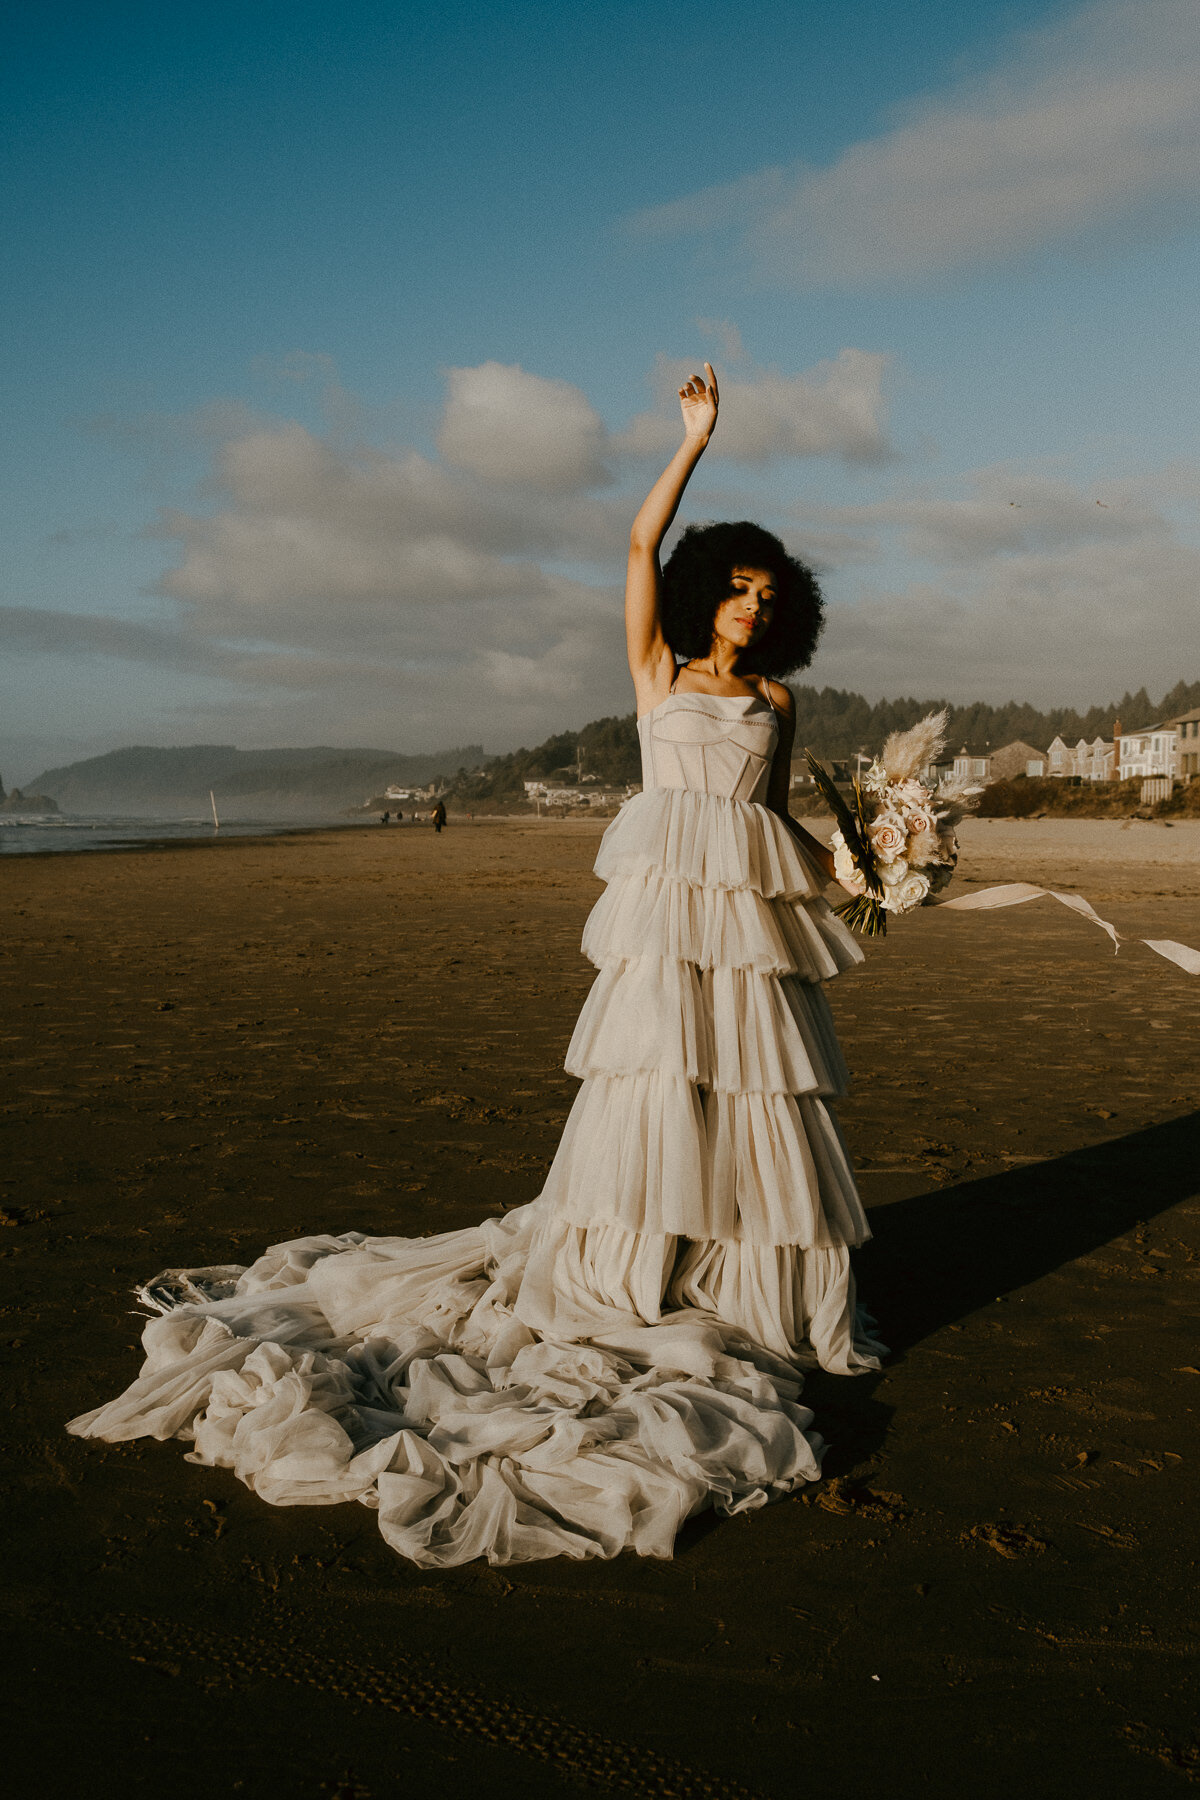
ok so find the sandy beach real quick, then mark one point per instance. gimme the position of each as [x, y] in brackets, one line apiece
[215, 1047]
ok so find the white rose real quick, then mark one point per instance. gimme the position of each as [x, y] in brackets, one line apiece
[908, 793]
[892, 873]
[846, 871]
[888, 836]
[904, 895]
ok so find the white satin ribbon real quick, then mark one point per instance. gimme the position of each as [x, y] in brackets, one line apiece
[1013, 893]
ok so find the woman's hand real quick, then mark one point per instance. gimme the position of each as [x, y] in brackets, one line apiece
[651, 661]
[699, 401]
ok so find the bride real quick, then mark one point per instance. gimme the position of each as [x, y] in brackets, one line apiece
[583, 1374]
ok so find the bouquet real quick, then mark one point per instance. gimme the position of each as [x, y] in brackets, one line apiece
[895, 845]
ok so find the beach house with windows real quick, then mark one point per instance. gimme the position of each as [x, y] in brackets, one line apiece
[1151, 751]
[1187, 726]
[972, 763]
[1083, 761]
[988, 765]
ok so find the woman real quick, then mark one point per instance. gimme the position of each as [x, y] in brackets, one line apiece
[585, 1373]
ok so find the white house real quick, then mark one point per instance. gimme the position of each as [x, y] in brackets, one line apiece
[1151, 751]
[556, 795]
[1090, 762]
[1095, 761]
[1188, 748]
[988, 765]
[972, 765]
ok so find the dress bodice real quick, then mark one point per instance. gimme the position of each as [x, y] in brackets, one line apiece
[711, 743]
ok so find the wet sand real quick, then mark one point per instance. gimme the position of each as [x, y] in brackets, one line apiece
[214, 1048]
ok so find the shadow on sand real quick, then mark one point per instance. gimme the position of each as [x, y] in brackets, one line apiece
[939, 1257]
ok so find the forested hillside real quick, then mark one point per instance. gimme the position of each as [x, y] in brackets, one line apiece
[288, 783]
[832, 722]
[835, 723]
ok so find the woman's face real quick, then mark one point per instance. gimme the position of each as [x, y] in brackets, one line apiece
[745, 616]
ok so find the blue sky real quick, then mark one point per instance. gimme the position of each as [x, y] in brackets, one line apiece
[339, 341]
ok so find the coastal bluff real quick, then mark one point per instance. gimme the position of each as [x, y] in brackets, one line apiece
[143, 780]
[22, 803]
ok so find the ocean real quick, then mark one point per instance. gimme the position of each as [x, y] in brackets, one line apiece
[49, 834]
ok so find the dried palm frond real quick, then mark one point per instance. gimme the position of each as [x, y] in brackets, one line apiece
[863, 913]
[907, 753]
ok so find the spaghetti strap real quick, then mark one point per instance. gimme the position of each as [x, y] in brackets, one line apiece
[765, 690]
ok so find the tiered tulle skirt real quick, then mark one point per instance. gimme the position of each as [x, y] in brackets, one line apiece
[586, 1373]
[701, 1166]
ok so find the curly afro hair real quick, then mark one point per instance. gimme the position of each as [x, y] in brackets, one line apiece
[699, 575]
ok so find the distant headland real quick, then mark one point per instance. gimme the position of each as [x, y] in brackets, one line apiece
[25, 805]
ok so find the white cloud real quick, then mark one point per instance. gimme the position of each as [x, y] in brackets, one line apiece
[40, 631]
[1090, 122]
[1077, 627]
[516, 429]
[836, 408]
[314, 541]
[349, 581]
[340, 591]
[325, 578]
[303, 522]
[998, 511]
[1051, 592]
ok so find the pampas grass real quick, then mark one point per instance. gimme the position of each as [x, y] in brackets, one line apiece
[956, 797]
[907, 753]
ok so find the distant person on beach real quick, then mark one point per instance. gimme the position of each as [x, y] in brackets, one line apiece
[385, 818]
[438, 815]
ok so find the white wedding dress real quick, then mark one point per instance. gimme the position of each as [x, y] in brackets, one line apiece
[581, 1375]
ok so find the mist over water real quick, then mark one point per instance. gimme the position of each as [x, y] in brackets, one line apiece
[49, 835]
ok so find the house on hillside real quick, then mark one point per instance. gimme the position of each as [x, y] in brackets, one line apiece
[972, 764]
[1187, 725]
[1151, 751]
[1083, 761]
[1096, 761]
[840, 767]
[1017, 758]
[552, 793]
[988, 765]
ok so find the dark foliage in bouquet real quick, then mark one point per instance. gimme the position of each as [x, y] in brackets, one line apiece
[864, 913]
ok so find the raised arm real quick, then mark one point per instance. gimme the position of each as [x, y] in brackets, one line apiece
[650, 661]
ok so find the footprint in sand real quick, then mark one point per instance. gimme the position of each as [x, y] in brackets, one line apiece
[1006, 1540]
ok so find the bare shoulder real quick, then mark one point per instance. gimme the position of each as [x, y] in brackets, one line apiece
[782, 699]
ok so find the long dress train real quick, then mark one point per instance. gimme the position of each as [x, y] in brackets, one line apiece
[586, 1372]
